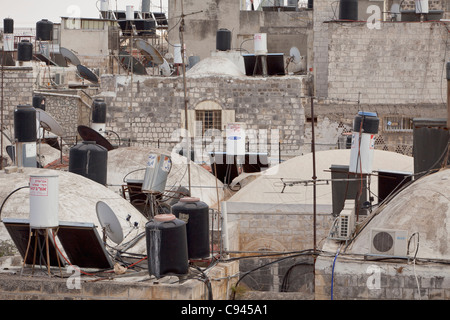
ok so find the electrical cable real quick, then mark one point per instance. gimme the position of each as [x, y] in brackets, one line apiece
[332, 271]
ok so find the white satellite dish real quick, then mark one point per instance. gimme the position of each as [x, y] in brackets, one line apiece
[47, 122]
[109, 222]
[294, 53]
[165, 68]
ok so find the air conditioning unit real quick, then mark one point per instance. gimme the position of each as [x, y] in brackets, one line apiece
[389, 242]
[346, 224]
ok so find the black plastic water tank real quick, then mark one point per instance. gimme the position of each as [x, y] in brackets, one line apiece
[39, 101]
[223, 40]
[24, 51]
[90, 160]
[348, 10]
[368, 122]
[8, 25]
[195, 213]
[44, 30]
[25, 123]
[99, 111]
[167, 249]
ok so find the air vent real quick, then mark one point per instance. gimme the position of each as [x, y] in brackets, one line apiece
[388, 242]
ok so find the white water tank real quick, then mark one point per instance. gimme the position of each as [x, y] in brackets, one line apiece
[260, 43]
[177, 57]
[235, 133]
[156, 173]
[104, 5]
[129, 13]
[8, 42]
[365, 128]
[421, 6]
[44, 206]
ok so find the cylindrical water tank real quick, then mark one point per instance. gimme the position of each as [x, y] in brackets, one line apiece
[39, 102]
[166, 246]
[25, 123]
[348, 10]
[129, 13]
[99, 111]
[223, 40]
[196, 215]
[365, 128]
[145, 7]
[156, 173]
[24, 51]
[44, 192]
[260, 43]
[44, 30]
[422, 6]
[177, 55]
[8, 25]
[89, 160]
[104, 5]
[8, 42]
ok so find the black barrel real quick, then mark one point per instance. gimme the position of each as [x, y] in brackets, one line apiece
[89, 160]
[39, 101]
[24, 51]
[366, 122]
[223, 40]
[166, 246]
[8, 25]
[44, 30]
[348, 10]
[99, 111]
[25, 123]
[195, 213]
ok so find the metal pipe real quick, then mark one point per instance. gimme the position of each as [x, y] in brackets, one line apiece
[448, 95]
[314, 177]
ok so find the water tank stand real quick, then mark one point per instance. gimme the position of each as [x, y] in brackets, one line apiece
[263, 60]
[47, 250]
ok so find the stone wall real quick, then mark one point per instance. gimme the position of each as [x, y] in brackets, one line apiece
[150, 110]
[356, 279]
[17, 89]
[400, 63]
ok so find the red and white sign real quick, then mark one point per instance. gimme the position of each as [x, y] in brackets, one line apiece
[38, 186]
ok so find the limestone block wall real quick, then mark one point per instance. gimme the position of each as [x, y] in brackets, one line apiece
[149, 110]
[355, 279]
[400, 63]
[17, 89]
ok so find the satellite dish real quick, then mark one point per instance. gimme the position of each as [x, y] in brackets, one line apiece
[149, 51]
[132, 64]
[165, 68]
[87, 74]
[89, 134]
[109, 222]
[70, 56]
[294, 53]
[48, 123]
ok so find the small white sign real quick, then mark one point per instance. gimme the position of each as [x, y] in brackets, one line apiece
[39, 187]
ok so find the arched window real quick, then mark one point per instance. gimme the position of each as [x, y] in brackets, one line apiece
[206, 115]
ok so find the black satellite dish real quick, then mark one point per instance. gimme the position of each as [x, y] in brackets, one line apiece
[149, 51]
[132, 64]
[69, 56]
[86, 74]
[89, 134]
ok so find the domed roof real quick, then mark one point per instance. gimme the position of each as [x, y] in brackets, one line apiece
[77, 198]
[422, 208]
[130, 163]
[267, 187]
[215, 66]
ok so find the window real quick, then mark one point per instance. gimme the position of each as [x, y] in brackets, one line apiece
[211, 116]
[210, 119]
[397, 124]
